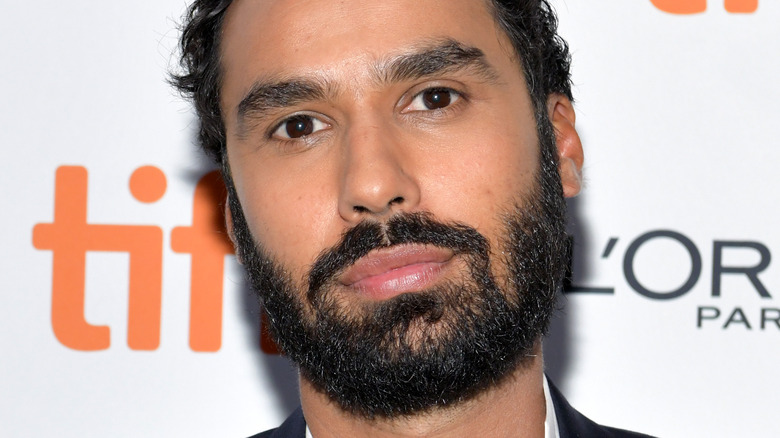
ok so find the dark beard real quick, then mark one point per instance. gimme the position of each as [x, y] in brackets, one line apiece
[428, 349]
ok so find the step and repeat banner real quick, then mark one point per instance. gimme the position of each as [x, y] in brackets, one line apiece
[125, 313]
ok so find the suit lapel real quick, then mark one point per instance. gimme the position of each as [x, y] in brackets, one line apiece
[293, 427]
[572, 424]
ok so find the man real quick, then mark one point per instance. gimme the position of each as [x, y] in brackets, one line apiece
[396, 173]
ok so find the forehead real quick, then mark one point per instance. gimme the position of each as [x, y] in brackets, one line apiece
[277, 38]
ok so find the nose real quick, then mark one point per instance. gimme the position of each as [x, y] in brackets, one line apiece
[377, 177]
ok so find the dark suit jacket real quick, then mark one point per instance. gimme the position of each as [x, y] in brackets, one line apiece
[571, 424]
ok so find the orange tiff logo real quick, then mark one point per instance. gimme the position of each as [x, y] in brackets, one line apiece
[70, 237]
[697, 6]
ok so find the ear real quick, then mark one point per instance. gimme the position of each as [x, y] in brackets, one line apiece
[229, 228]
[560, 110]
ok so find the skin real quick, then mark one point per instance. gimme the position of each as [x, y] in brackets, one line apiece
[378, 151]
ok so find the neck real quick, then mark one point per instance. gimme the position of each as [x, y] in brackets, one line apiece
[514, 408]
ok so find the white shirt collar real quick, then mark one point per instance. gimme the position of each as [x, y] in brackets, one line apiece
[550, 421]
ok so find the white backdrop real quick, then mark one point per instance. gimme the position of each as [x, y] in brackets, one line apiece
[678, 114]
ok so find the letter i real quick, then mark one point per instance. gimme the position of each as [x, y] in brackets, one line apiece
[681, 6]
[741, 6]
[207, 243]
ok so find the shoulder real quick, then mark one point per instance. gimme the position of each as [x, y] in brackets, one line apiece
[572, 424]
[293, 427]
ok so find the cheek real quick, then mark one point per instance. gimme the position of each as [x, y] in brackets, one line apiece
[292, 221]
[484, 177]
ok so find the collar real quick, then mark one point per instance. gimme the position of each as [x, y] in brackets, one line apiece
[550, 420]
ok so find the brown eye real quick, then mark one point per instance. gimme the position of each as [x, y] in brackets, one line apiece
[298, 126]
[436, 98]
[433, 99]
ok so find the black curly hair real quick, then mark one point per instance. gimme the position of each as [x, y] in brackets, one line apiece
[531, 25]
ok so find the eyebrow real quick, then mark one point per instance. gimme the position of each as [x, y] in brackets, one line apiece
[266, 96]
[443, 56]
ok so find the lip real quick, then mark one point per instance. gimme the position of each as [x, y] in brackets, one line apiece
[387, 272]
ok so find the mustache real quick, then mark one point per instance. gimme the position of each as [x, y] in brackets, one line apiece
[402, 228]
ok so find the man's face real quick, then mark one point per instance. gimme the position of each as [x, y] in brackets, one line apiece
[407, 125]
